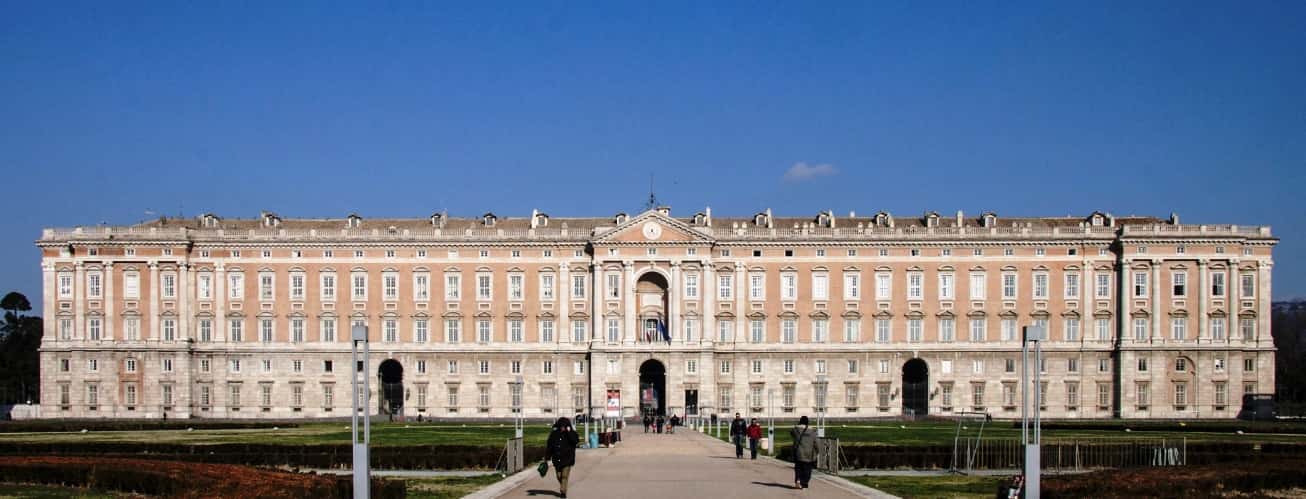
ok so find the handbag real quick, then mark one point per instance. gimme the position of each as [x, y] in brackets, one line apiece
[543, 468]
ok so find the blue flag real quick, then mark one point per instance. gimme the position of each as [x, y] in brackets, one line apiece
[662, 328]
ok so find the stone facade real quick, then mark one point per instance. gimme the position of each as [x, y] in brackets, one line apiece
[488, 317]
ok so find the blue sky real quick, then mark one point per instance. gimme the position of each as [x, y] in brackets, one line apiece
[321, 108]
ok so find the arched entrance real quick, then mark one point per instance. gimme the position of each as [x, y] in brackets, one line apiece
[915, 388]
[651, 289]
[652, 388]
[392, 387]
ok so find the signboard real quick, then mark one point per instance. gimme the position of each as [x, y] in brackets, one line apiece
[614, 403]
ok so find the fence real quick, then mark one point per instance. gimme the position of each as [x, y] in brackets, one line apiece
[1079, 454]
[514, 457]
[827, 455]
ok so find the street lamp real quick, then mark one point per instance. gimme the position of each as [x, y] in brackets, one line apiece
[820, 405]
[1031, 439]
[519, 423]
[770, 411]
[362, 485]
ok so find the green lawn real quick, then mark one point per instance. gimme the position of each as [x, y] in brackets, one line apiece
[383, 434]
[941, 433]
[448, 488]
[949, 486]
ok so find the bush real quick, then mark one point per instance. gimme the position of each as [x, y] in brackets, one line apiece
[450, 457]
[186, 480]
[74, 425]
[1182, 481]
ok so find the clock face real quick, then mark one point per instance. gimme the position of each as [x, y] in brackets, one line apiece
[652, 230]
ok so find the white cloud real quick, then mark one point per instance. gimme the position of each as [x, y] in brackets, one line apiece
[802, 171]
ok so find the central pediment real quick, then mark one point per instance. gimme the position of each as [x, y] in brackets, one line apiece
[652, 227]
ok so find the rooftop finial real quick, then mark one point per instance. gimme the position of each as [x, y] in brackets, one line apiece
[652, 199]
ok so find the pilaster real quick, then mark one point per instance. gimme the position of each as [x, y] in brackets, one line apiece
[1156, 301]
[675, 293]
[628, 333]
[709, 289]
[1203, 334]
[79, 303]
[110, 319]
[153, 314]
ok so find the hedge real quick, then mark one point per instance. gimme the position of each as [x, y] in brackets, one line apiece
[449, 457]
[184, 480]
[72, 425]
[1184, 481]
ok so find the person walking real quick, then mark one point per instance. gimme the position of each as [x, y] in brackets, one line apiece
[738, 430]
[675, 420]
[754, 435]
[804, 453]
[662, 421]
[561, 450]
[648, 422]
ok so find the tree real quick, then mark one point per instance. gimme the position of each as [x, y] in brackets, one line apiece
[19, 358]
[15, 302]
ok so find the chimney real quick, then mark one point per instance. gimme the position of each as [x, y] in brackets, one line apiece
[535, 217]
[770, 223]
[708, 211]
[960, 217]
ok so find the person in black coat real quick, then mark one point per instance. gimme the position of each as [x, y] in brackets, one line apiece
[738, 432]
[561, 450]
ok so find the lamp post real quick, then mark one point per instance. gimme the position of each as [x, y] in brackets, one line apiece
[362, 485]
[518, 424]
[1031, 438]
[770, 430]
[820, 405]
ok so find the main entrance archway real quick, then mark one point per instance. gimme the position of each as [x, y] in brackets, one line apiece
[652, 388]
[392, 387]
[915, 388]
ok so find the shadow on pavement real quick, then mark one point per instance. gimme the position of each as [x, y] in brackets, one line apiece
[538, 492]
[773, 484]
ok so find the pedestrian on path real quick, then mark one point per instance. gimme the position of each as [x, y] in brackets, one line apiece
[754, 435]
[561, 449]
[738, 430]
[648, 422]
[804, 453]
[662, 421]
[675, 421]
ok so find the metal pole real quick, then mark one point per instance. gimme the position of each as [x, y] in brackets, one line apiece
[362, 473]
[1033, 455]
[770, 410]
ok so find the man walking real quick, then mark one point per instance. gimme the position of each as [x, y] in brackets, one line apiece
[561, 449]
[738, 431]
[804, 453]
[754, 435]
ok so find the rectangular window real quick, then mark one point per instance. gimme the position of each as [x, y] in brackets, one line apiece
[947, 330]
[297, 286]
[1179, 284]
[788, 330]
[236, 330]
[453, 331]
[328, 287]
[451, 398]
[914, 332]
[1140, 329]
[1217, 329]
[359, 286]
[484, 290]
[882, 329]
[546, 331]
[1247, 329]
[882, 395]
[788, 366]
[1140, 284]
[1072, 329]
[390, 328]
[915, 285]
[757, 331]
[1221, 394]
[820, 286]
[978, 286]
[977, 395]
[130, 398]
[789, 286]
[1072, 394]
[691, 367]
[755, 287]
[131, 285]
[66, 285]
[614, 330]
[1072, 286]
[1104, 395]
[169, 285]
[93, 329]
[483, 367]
[977, 330]
[852, 330]
[421, 287]
[206, 330]
[691, 285]
[883, 286]
[1008, 329]
[452, 287]
[614, 286]
[265, 330]
[578, 286]
[725, 287]
[421, 332]
[852, 286]
[820, 330]
[516, 287]
[1040, 286]
[1103, 285]
[328, 333]
[452, 367]
[1008, 286]
[266, 283]
[1248, 285]
[1179, 328]
[546, 287]
[1217, 284]
[578, 334]
[515, 333]
[946, 282]
[1103, 327]
[204, 287]
[725, 331]
[1143, 390]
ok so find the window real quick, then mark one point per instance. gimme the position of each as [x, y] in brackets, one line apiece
[546, 287]
[204, 286]
[691, 285]
[852, 286]
[1142, 364]
[1217, 329]
[578, 286]
[66, 284]
[546, 331]
[977, 286]
[169, 285]
[725, 367]
[614, 330]
[1217, 283]
[1103, 285]
[789, 366]
[914, 333]
[977, 366]
[1008, 329]
[266, 283]
[516, 291]
[789, 286]
[1104, 395]
[1008, 252]
[296, 286]
[452, 330]
[614, 286]
[93, 328]
[483, 331]
[946, 282]
[1040, 251]
[915, 252]
[390, 329]
[328, 366]
[452, 367]
[578, 367]
[451, 397]
[515, 333]
[1179, 284]
[547, 367]
[725, 331]
[977, 330]
[1140, 329]
[757, 331]
[757, 367]
[1009, 366]
[1072, 329]
[883, 286]
[882, 330]
[328, 287]
[1072, 286]
[421, 287]
[691, 367]
[236, 330]
[483, 367]
[915, 282]
[945, 366]
[1180, 394]
[947, 330]
[788, 330]
[265, 330]
[884, 366]
[452, 286]
[882, 395]
[131, 285]
[1040, 285]
[1140, 284]
[1103, 327]
[578, 334]
[359, 286]
[328, 332]
[1221, 394]
[1178, 328]
[755, 287]
[514, 367]
[1219, 364]
[131, 329]
[206, 330]
[1072, 394]
[130, 365]
[1247, 329]
[852, 330]
[1248, 281]
[1181, 365]
[1008, 286]
[483, 287]
[820, 286]
[1008, 394]
[234, 365]
[725, 287]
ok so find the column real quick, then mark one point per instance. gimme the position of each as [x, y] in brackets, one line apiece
[183, 302]
[48, 297]
[628, 298]
[220, 304]
[674, 295]
[79, 302]
[181, 391]
[562, 295]
[153, 314]
[1232, 288]
[109, 302]
[1156, 300]
[708, 288]
[1203, 335]
[1263, 338]
[596, 303]
[741, 311]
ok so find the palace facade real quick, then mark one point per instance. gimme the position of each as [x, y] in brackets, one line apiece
[490, 317]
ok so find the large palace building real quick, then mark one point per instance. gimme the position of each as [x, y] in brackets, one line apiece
[492, 317]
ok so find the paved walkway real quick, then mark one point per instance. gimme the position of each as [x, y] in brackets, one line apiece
[687, 464]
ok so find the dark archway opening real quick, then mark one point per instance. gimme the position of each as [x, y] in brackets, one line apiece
[652, 388]
[915, 388]
[651, 288]
[392, 387]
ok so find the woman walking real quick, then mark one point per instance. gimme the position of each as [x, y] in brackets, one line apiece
[561, 450]
[804, 453]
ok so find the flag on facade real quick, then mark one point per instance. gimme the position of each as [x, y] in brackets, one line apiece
[662, 328]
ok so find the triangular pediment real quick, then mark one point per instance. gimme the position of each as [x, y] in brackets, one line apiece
[652, 227]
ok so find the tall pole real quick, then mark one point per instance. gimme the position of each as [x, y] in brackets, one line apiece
[1035, 335]
[770, 411]
[362, 473]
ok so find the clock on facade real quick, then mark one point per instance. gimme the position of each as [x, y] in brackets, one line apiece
[652, 230]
